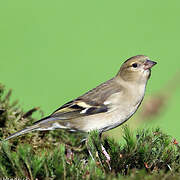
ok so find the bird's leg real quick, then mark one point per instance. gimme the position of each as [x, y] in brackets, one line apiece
[97, 150]
[96, 154]
[89, 151]
[108, 158]
[100, 134]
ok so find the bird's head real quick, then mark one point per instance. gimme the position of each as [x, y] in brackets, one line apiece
[136, 68]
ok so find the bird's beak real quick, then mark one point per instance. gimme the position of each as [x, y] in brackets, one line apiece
[149, 64]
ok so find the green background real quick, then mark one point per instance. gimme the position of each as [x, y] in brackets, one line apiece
[53, 51]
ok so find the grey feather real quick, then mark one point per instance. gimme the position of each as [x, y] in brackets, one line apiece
[21, 132]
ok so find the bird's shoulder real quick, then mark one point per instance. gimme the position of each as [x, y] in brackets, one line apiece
[99, 94]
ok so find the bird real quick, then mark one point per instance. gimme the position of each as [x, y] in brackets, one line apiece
[105, 107]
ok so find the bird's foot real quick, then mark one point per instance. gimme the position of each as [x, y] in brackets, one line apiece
[108, 158]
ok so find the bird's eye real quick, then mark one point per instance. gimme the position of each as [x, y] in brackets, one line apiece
[134, 65]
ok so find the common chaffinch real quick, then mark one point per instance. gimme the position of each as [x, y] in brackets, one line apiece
[105, 107]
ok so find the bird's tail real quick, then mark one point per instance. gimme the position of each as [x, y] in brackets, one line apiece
[23, 131]
[45, 124]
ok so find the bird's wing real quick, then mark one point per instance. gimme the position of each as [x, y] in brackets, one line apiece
[74, 109]
[88, 104]
[78, 108]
